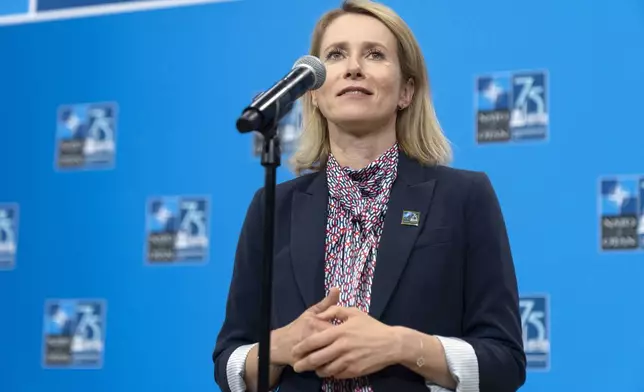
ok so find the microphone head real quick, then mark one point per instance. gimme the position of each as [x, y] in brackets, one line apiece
[316, 66]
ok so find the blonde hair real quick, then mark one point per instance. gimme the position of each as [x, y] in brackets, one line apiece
[418, 131]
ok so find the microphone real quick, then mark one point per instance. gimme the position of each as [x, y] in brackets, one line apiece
[308, 73]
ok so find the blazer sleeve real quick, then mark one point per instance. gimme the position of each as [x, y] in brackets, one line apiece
[242, 307]
[492, 322]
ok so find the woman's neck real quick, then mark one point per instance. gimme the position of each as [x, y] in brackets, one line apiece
[358, 151]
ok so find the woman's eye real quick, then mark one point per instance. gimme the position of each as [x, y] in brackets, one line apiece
[334, 55]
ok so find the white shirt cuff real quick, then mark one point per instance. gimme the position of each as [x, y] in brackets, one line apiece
[235, 368]
[462, 363]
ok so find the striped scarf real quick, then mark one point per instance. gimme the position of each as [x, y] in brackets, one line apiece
[356, 212]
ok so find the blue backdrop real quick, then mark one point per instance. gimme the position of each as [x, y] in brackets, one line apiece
[117, 239]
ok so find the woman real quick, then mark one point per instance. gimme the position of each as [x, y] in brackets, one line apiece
[392, 271]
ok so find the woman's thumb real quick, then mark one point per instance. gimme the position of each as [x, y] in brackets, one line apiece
[331, 299]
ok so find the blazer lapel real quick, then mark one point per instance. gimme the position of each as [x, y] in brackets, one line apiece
[410, 192]
[308, 233]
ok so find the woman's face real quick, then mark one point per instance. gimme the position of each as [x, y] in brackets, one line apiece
[363, 87]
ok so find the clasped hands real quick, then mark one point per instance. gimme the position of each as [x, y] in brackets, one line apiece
[359, 346]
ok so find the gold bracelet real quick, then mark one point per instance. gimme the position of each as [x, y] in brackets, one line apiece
[421, 360]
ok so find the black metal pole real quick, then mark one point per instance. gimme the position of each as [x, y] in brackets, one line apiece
[271, 157]
[270, 161]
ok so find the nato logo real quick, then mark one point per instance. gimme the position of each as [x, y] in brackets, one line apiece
[289, 130]
[177, 230]
[512, 107]
[621, 210]
[8, 235]
[74, 333]
[535, 325]
[86, 136]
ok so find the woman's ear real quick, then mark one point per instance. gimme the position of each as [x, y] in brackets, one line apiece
[406, 94]
[314, 100]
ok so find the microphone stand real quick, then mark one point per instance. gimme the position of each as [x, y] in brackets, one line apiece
[270, 160]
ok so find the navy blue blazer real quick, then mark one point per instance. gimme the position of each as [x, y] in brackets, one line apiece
[452, 275]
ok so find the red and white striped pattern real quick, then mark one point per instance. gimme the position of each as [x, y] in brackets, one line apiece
[356, 212]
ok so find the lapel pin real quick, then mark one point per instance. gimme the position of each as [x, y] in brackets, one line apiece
[410, 218]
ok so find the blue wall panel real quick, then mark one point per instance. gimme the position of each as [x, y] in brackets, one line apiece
[180, 76]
